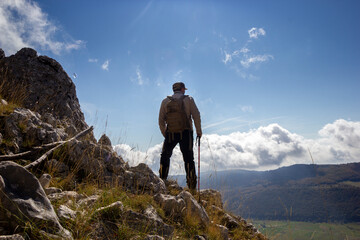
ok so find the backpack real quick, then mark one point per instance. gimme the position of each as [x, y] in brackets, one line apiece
[176, 118]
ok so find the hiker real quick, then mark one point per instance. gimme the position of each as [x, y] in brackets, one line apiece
[175, 122]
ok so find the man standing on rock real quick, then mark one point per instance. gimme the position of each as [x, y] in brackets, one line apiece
[175, 122]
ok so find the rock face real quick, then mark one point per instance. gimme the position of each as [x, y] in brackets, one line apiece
[42, 85]
[23, 199]
[25, 128]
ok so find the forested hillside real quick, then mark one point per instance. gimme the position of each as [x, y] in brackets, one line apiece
[299, 192]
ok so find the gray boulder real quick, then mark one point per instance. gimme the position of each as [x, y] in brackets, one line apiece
[24, 199]
[141, 179]
[66, 195]
[142, 223]
[173, 206]
[65, 212]
[110, 212]
[151, 213]
[194, 209]
[182, 206]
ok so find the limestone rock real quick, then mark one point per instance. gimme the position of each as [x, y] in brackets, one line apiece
[172, 206]
[229, 222]
[112, 211]
[45, 180]
[143, 180]
[89, 201]
[66, 213]
[154, 237]
[194, 209]
[212, 197]
[27, 129]
[151, 213]
[199, 237]
[182, 206]
[52, 190]
[22, 197]
[43, 84]
[142, 223]
[11, 237]
[66, 195]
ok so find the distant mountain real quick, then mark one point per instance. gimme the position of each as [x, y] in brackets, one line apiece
[317, 193]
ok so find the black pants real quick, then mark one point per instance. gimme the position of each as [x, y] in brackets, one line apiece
[185, 139]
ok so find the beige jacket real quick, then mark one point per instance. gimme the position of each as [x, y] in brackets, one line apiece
[191, 111]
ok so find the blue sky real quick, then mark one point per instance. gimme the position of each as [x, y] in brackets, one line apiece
[248, 64]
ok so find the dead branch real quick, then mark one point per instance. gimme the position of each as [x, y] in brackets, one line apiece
[33, 151]
[15, 156]
[61, 143]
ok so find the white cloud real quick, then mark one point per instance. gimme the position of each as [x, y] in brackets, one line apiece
[93, 60]
[255, 59]
[139, 78]
[105, 65]
[266, 147]
[239, 58]
[247, 109]
[178, 76]
[255, 32]
[190, 45]
[24, 24]
[228, 58]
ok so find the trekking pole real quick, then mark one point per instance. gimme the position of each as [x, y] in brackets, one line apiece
[198, 140]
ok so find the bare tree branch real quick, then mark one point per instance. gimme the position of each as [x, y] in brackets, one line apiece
[61, 143]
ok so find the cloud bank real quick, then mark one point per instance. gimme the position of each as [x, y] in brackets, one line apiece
[24, 24]
[267, 147]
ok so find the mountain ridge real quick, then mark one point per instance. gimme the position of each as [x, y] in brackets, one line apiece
[301, 192]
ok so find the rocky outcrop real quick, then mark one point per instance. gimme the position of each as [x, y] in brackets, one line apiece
[181, 207]
[24, 128]
[141, 179]
[41, 85]
[23, 199]
[43, 112]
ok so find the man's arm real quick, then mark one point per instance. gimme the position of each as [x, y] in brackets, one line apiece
[162, 115]
[194, 111]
